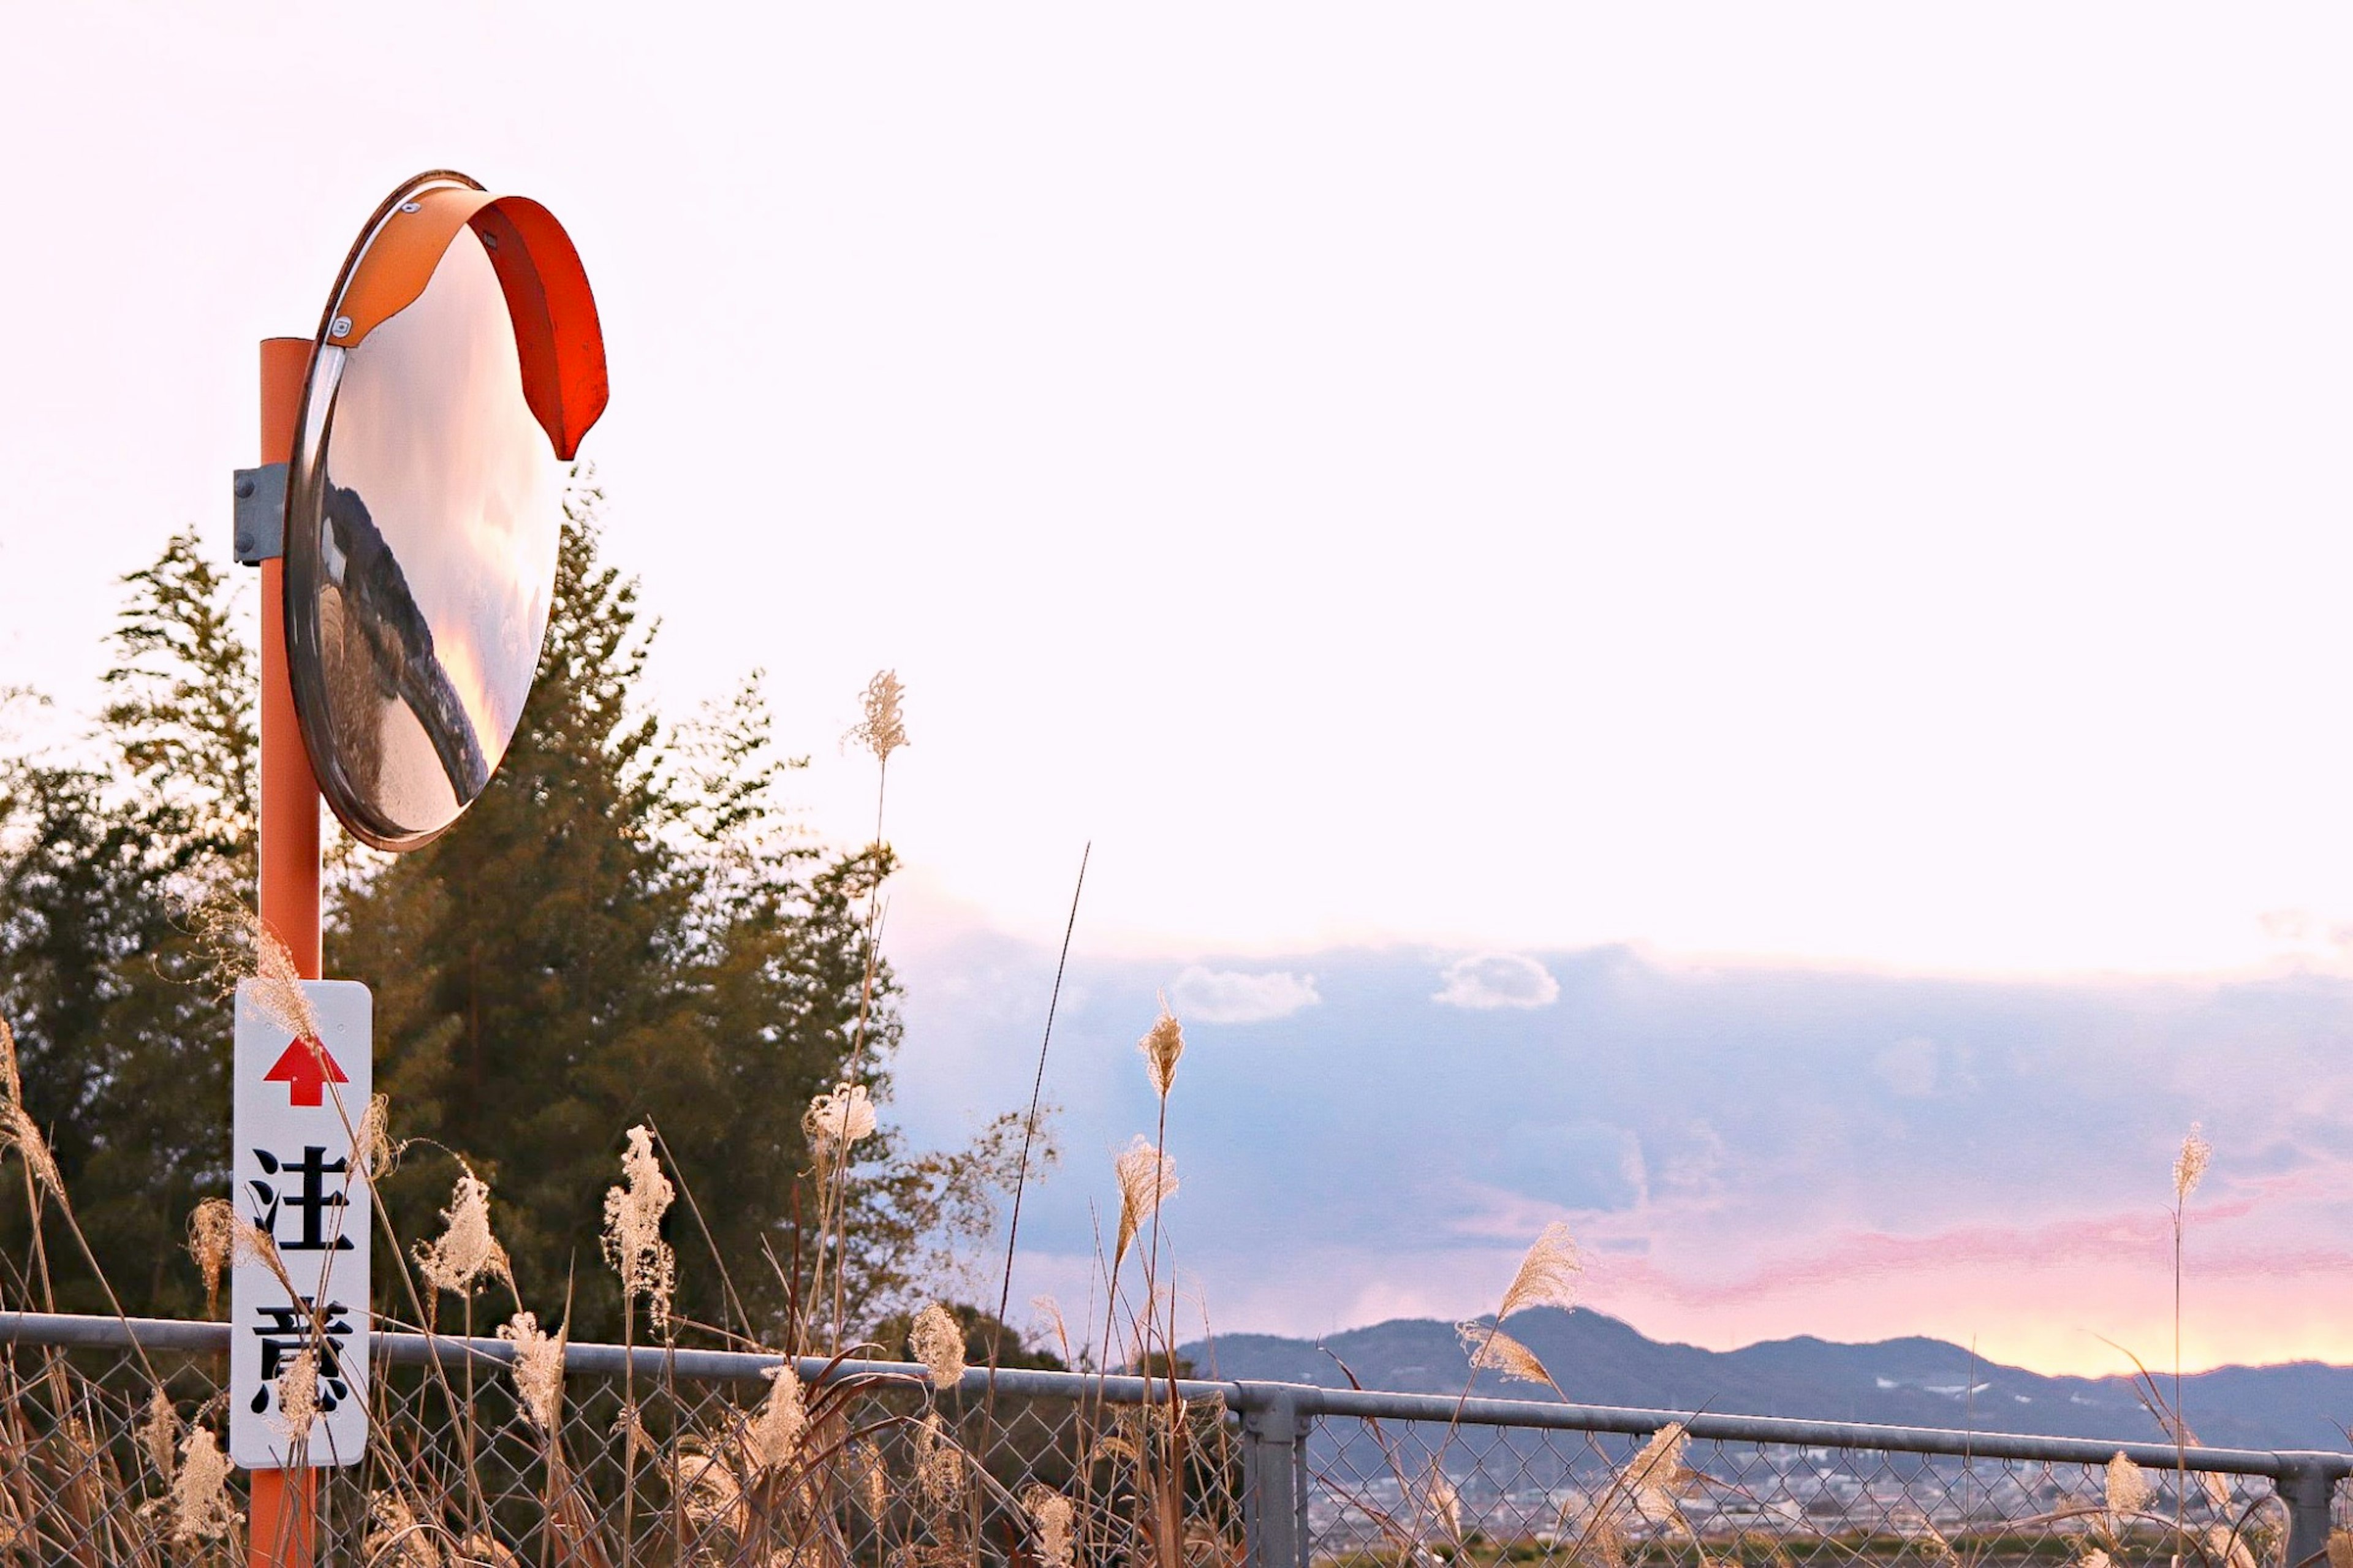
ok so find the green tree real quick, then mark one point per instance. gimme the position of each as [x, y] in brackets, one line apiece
[623, 928]
[124, 1060]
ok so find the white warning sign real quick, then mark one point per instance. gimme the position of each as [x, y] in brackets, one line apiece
[298, 1104]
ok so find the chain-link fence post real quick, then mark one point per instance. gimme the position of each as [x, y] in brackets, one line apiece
[2307, 1483]
[1275, 1476]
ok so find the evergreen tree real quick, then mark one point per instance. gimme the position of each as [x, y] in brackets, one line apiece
[620, 929]
[623, 928]
[124, 1051]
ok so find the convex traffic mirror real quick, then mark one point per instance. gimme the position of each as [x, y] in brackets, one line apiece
[457, 367]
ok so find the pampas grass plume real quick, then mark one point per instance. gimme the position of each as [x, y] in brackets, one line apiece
[777, 1431]
[200, 1506]
[2190, 1165]
[1492, 1350]
[1147, 1178]
[937, 1342]
[2127, 1486]
[1161, 1047]
[212, 1238]
[1054, 1516]
[465, 1251]
[1547, 1275]
[633, 1238]
[882, 729]
[538, 1369]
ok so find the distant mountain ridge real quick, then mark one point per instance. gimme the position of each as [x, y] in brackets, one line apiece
[1915, 1382]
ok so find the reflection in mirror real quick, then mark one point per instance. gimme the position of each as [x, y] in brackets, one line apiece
[421, 558]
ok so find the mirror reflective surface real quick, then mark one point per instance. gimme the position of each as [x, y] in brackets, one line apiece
[424, 515]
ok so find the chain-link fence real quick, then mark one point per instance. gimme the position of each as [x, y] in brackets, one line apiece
[1396, 1477]
[675, 1457]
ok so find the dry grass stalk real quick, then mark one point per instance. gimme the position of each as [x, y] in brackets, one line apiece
[538, 1370]
[1441, 1503]
[871, 1478]
[633, 1238]
[1492, 1350]
[467, 1250]
[2128, 1487]
[1161, 1047]
[937, 1340]
[1049, 1313]
[1147, 1178]
[212, 1241]
[200, 1505]
[1547, 1275]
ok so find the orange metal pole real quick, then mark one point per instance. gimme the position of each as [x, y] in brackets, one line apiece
[284, 1504]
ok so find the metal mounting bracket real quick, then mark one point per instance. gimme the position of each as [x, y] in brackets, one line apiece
[261, 514]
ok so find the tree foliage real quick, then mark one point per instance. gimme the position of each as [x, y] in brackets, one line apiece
[624, 928]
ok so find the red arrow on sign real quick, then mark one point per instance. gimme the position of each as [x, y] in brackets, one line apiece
[306, 1067]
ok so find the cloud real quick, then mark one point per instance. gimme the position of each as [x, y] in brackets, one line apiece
[1497, 980]
[1229, 996]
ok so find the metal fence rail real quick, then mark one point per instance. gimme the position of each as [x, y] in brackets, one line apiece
[648, 1467]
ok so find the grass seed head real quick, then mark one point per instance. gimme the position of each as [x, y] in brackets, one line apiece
[1147, 1178]
[2190, 1165]
[1492, 1350]
[465, 1251]
[157, 1430]
[9, 1079]
[837, 1120]
[239, 947]
[883, 728]
[1161, 1047]
[776, 1432]
[17, 1132]
[2129, 1488]
[1442, 1502]
[212, 1239]
[937, 1340]
[538, 1369]
[872, 1478]
[1547, 1275]
[200, 1505]
[1054, 1515]
[298, 1395]
[379, 1154]
[1657, 1476]
[1050, 1318]
[399, 1539]
[939, 1463]
[633, 1238]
